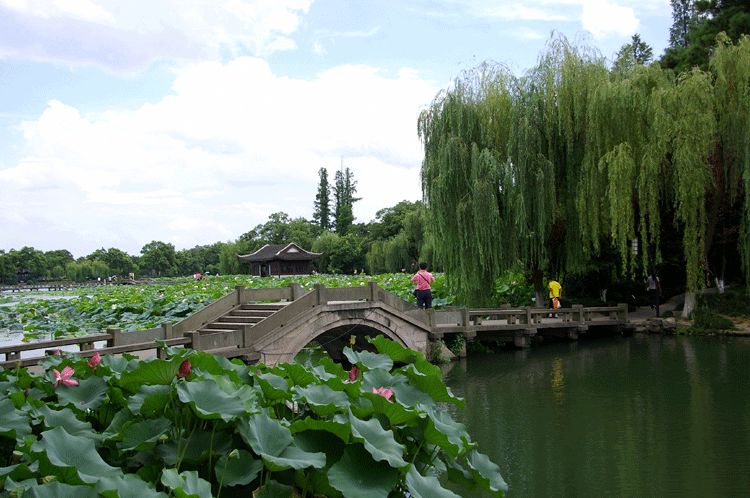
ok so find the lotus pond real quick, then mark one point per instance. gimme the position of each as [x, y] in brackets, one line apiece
[196, 425]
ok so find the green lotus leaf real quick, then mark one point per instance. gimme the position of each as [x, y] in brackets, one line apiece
[66, 419]
[60, 490]
[218, 365]
[149, 400]
[150, 372]
[144, 435]
[396, 413]
[486, 472]
[296, 373]
[273, 489]
[393, 350]
[266, 436]
[449, 435]
[13, 423]
[426, 486]
[433, 385]
[210, 402]
[19, 471]
[368, 360]
[66, 451]
[89, 394]
[342, 431]
[274, 386]
[199, 444]
[357, 474]
[379, 442]
[116, 425]
[128, 486]
[294, 458]
[237, 471]
[322, 399]
[186, 484]
[117, 364]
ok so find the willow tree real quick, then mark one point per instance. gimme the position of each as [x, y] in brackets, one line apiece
[500, 168]
[550, 169]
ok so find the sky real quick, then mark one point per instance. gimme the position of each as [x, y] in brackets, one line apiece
[191, 121]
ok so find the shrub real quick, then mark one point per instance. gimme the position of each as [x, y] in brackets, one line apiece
[199, 425]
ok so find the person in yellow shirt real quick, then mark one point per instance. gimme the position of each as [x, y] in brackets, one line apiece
[555, 291]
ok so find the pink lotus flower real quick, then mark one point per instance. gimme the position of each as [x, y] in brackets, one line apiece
[95, 360]
[57, 352]
[185, 369]
[353, 374]
[64, 377]
[384, 392]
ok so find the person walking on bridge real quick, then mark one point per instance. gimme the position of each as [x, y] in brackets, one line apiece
[555, 291]
[423, 278]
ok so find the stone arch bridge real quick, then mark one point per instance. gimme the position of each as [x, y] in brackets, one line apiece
[273, 325]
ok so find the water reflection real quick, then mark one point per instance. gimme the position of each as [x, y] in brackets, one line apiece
[645, 416]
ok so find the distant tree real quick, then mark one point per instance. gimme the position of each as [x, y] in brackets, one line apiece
[341, 254]
[343, 191]
[158, 258]
[635, 53]
[119, 262]
[683, 17]
[56, 261]
[699, 24]
[322, 211]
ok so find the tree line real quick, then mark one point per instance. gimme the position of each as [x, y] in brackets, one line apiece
[392, 242]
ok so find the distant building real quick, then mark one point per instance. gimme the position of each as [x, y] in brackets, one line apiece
[280, 259]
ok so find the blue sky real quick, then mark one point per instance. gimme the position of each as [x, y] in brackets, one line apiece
[190, 121]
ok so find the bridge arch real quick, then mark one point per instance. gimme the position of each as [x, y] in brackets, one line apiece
[332, 322]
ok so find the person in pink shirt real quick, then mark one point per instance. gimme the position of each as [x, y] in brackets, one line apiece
[424, 291]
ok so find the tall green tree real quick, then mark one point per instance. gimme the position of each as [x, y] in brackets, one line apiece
[683, 18]
[158, 258]
[343, 191]
[322, 205]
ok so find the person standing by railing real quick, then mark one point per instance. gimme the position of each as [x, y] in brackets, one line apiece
[423, 292]
[555, 291]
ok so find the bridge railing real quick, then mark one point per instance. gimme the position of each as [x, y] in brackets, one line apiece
[257, 334]
[117, 341]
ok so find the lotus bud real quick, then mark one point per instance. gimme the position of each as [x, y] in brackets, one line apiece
[185, 369]
[234, 453]
[95, 360]
[163, 438]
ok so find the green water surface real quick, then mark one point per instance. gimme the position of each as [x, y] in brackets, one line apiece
[637, 417]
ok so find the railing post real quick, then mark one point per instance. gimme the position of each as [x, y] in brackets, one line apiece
[115, 340]
[239, 289]
[297, 291]
[373, 290]
[578, 310]
[528, 315]
[168, 330]
[623, 311]
[320, 290]
[465, 317]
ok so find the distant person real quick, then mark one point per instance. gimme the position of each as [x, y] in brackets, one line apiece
[423, 278]
[555, 291]
[653, 288]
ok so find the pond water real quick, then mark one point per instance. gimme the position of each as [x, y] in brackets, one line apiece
[641, 416]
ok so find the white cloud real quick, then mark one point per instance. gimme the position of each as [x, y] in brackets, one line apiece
[520, 12]
[232, 144]
[602, 18]
[131, 34]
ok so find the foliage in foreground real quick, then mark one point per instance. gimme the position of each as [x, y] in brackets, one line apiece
[200, 425]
